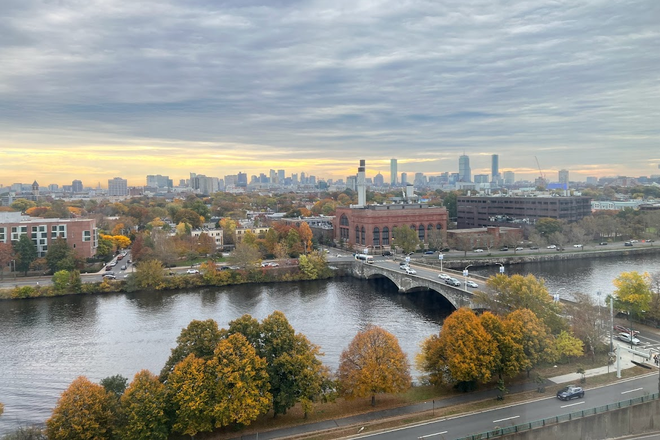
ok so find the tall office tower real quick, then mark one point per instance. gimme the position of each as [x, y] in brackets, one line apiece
[303, 178]
[272, 175]
[351, 182]
[464, 172]
[495, 167]
[379, 180]
[591, 180]
[280, 177]
[159, 181]
[76, 186]
[294, 179]
[241, 180]
[393, 172]
[404, 179]
[509, 177]
[117, 187]
[420, 179]
[481, 178]
[53, 187]
[563, 177]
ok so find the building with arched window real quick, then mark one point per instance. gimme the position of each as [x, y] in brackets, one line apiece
[371, 226]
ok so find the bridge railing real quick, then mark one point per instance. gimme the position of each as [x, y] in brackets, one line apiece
[499, 432]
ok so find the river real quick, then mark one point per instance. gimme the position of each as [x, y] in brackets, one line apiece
[46, 343]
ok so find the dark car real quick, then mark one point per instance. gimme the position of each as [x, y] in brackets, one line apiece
[603, 243]
[505, 248]
[429, 252]
[108, 268]
[534, 247]
[570, 392]
[453, 282]
[627, 243]
[386, 253]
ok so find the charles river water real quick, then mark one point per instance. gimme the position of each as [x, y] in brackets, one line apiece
[46, 343]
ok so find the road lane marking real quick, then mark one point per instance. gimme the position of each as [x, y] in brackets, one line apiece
[432, 435]
[508, 418]
[631, 391]
[572, 404]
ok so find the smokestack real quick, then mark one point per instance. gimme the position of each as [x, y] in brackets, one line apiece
[362, 190]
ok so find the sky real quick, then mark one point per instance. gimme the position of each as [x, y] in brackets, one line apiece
[94, 89]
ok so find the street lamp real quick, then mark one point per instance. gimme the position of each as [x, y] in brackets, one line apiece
[465, 274]
[441, 257]
[13, 262]
[555, 297]
[501, 268]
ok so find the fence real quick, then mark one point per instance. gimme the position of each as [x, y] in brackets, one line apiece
[560, 419]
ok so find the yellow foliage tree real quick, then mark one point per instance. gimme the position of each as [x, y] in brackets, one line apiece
[190, 391]
[568, 346]
[373, 363]
[85, 411]
[510, 356]
[143, 407]
[149, 274]
[633, 292]
[536, 339]
[306, 236]
[464, 351]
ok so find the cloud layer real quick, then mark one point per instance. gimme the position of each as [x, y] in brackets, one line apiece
[133, 88]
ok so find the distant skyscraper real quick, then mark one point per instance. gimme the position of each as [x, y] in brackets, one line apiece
[280, 177]
[76, 186]
[563, 177]
[117, 187]
[404, 178]
[481, 178]
[393, 172]
[241, 180]
[495, 167]
[379, 180]
[509, 177]
[420, 179]
[591, 180]
[464, 172]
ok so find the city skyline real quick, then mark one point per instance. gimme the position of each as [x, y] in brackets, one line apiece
[169, 88]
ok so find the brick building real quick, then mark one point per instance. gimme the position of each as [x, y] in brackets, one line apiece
[371, 226]
[477, 212]
[80, 234]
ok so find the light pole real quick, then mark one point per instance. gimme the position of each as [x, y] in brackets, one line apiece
[501, 268]
[465, 274]
[13, 262]
[441, 257]
[555, 297]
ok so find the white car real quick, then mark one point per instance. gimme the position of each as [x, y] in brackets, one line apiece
[410, 271]
[577, 245]
[552, 246]
[443, 276]
[519, 248]
[478, 250]
[472, 284]
[625, 337]
[192, 271]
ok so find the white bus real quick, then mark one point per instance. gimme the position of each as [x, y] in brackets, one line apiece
[369, 259]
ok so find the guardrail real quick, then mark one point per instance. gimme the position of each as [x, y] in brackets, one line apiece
[560, 419]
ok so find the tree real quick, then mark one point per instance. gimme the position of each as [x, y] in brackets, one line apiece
[22, 205]
[633, 293]
[463, 242]
[149, 274]
[143, 407]
[373, 363]
[436, 239]
[190, 391]
[405, 238]
[60, 256]
[548, 226]
[246, 256]
[463, 352]
[510, 356]
[241, 382]
[567, 346]
[586, 323]
[199, 338]
[61, 281]
[536, 340]
[6, 255]
[115, 385]
[229, 230]
[85, 411]
[518, 292]
[188, 216]
[306, 236]
[25, 253]
[450, 201]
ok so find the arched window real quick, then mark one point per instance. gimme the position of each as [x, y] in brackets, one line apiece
[376, 236]
[386, 236]
[357, 235]
[362, 237]
[343, 220]
[421, 233]
[429, 227]
[438, 226]
[413, 227]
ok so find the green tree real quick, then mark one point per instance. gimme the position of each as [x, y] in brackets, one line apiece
[25, 253]
[548, 226]
[115, 385]
[149, 274]
[199, 338]
[450, 202]
[61, 281]
[60, 256]
[144, 405]
[373, 363]
[241, 382]
[405, 238]
[22, 205]
[522, 292]
[188, 216]
[85, 411]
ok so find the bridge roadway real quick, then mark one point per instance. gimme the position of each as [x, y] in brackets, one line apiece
[425, 278]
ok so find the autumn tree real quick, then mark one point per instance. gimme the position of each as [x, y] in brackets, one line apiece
[522, 292]
[6, 255]
[229, 230]
[436, 239]
[305, 236]
[199, 338]
[633, 293]
[246, 256]
[463, 242]
[586, 323]
[373, 363]
[537, 341]
[190, 391]
[25, 253]
[188, 216]
[567, 346]
[144, 409]
[509, 358]
[149, 274]
[405, 238]
[22, 205]
[463, 353]
[85, 411]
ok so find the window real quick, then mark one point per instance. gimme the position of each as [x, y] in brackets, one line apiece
[357, 235]
[3, 234]
[343, 220]
[362, 241]
[438, 226]
[386, 236]
[421, 233]
[376, 236]
[87, 235]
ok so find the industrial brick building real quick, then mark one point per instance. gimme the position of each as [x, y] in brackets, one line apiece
[80, 234]
[477, 212]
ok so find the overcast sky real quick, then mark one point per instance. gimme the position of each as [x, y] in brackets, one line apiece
[94, 89]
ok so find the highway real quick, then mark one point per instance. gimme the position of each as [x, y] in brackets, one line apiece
[545, 407]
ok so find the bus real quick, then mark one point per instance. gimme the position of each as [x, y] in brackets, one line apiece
[369, 259]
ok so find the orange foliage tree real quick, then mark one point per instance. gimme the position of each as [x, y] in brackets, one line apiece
[373, 363]
[143, 406]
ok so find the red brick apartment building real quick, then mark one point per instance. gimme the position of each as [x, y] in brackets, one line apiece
[80, 234]
[372, 225]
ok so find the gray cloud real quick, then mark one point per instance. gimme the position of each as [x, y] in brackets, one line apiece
[575, 82]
